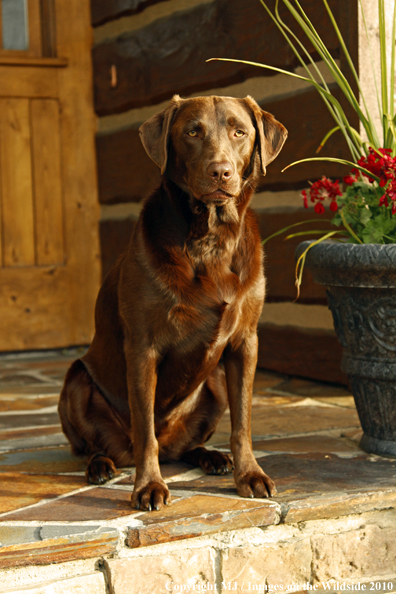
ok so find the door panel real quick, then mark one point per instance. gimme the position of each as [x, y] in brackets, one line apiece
[34, 308]
[30, 174]
[16, 178]
[48, 207]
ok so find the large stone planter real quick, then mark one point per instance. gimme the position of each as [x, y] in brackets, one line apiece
[361, 281]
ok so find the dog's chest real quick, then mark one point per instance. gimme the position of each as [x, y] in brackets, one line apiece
[212, 240]
[211, 308]
[209, 284]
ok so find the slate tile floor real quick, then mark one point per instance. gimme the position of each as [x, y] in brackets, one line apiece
[305, 435]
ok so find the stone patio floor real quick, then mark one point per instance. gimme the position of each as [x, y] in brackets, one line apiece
[305, 436]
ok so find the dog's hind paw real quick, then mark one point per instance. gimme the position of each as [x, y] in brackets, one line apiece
[211, 461]
[100, 470]
[214, 462]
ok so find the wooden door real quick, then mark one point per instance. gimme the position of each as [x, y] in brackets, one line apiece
[49, 249]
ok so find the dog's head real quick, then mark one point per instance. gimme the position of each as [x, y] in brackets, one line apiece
[212, 146]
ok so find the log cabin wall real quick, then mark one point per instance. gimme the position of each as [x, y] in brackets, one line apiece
[147, 50]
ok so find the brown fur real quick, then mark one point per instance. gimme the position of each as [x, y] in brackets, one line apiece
[188, 291]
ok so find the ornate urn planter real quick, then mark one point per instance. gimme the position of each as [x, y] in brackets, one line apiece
[361, 292]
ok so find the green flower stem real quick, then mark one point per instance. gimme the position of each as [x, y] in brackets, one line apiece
[312, 233]
[336, 111]
[264, 241]
[335, 160]
[346, 54]
[338, 76]
[347, 226]
[301, 260]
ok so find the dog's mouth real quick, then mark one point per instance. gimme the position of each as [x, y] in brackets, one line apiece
[217, 197]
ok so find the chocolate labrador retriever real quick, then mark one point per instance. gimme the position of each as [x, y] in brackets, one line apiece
[188, 291]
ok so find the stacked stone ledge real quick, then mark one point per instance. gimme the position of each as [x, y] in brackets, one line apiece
[351, 551]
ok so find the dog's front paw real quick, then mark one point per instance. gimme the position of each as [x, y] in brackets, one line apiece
[152, 496]
[255, 484]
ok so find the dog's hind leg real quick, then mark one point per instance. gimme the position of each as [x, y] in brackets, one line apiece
[190, 431]
[72, 407]
[92, 426]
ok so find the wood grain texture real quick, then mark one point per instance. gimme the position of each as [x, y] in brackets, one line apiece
[103, 11]
[48, 27]
[81, 208]
[47, 181]
[34, 308]
[1, 213]
[34, 15]
[168, 56]
[314, 354]
[16, 180]
[28, 81]
[306, 117]
[125, 171]
[48, 302]
[42, 61]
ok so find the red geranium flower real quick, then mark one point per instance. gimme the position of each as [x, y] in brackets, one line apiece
[321, 190]
[381, 164]
[384, 200]
[349, 179]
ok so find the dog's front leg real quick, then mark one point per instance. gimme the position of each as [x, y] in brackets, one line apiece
[150, 491]
[240, 366]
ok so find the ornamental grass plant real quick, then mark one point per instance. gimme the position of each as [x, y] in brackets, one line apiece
[364, 203]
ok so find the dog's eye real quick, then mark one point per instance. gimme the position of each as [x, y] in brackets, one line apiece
[239, 133]
[192, 133]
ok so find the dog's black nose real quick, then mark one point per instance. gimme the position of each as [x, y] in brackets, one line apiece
[220, 171]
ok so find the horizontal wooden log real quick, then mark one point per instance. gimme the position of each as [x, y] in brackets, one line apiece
[314, 354]
[169, 55]
[127, 174]
[103, 11]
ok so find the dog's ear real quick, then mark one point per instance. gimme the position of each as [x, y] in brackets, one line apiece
[154, 133]
[271, 135]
